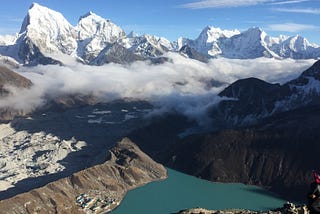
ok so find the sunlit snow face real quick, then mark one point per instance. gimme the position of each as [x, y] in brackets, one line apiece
[182, 85]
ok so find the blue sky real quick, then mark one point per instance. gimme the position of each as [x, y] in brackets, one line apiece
[174, 18]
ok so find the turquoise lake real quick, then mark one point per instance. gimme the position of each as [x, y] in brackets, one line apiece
[180, 191]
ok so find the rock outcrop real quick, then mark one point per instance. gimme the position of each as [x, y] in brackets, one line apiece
[97, 189]
[287, 208]
[10, 79]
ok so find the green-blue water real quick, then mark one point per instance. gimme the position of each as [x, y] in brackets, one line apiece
[180, 191]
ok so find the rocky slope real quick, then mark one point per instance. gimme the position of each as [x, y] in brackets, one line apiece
[9, 80]
[279, 153]
[249, 100]
[97, 189]
[192, 54]
[248, 141]
[287, 208]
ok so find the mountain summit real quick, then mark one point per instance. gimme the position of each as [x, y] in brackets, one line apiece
[48, 30]
[94, 34]
[45, 35]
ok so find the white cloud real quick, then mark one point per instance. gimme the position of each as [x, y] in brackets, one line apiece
[289, 2]
[291, 27]
[183, 85]
[315, 11]
[220, 4]
[200, 4]
[19, 20]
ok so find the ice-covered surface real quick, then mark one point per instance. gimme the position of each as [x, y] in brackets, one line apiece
[26, 155]
[97, 189]
[50, 145]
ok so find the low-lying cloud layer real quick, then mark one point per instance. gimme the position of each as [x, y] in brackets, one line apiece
[183, 85]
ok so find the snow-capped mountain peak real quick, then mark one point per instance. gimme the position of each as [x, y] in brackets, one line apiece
[39, 15]
[158, 41]
[212, 34]
[132, 34]
[255, 32]
[90, 13]
[296, 47]
[94, 34]
[255, 35]
[298, 43]
[208, 42]
[48, 30]
[91, 25]
[249, 44]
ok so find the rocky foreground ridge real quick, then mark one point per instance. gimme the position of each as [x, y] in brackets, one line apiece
[97, 189]
[9, 80]
[287, 208]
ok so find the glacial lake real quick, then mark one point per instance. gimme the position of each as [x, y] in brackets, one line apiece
[180, 191]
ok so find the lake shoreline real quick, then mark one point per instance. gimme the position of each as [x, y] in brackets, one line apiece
[180, 191]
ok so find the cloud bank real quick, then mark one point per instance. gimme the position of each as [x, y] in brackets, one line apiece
[183, 85]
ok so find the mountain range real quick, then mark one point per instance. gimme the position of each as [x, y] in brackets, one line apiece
[46, 36]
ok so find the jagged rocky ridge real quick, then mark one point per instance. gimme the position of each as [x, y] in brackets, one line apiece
[262, 134]
[249, 100]
[97, 189]
[46, 36]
